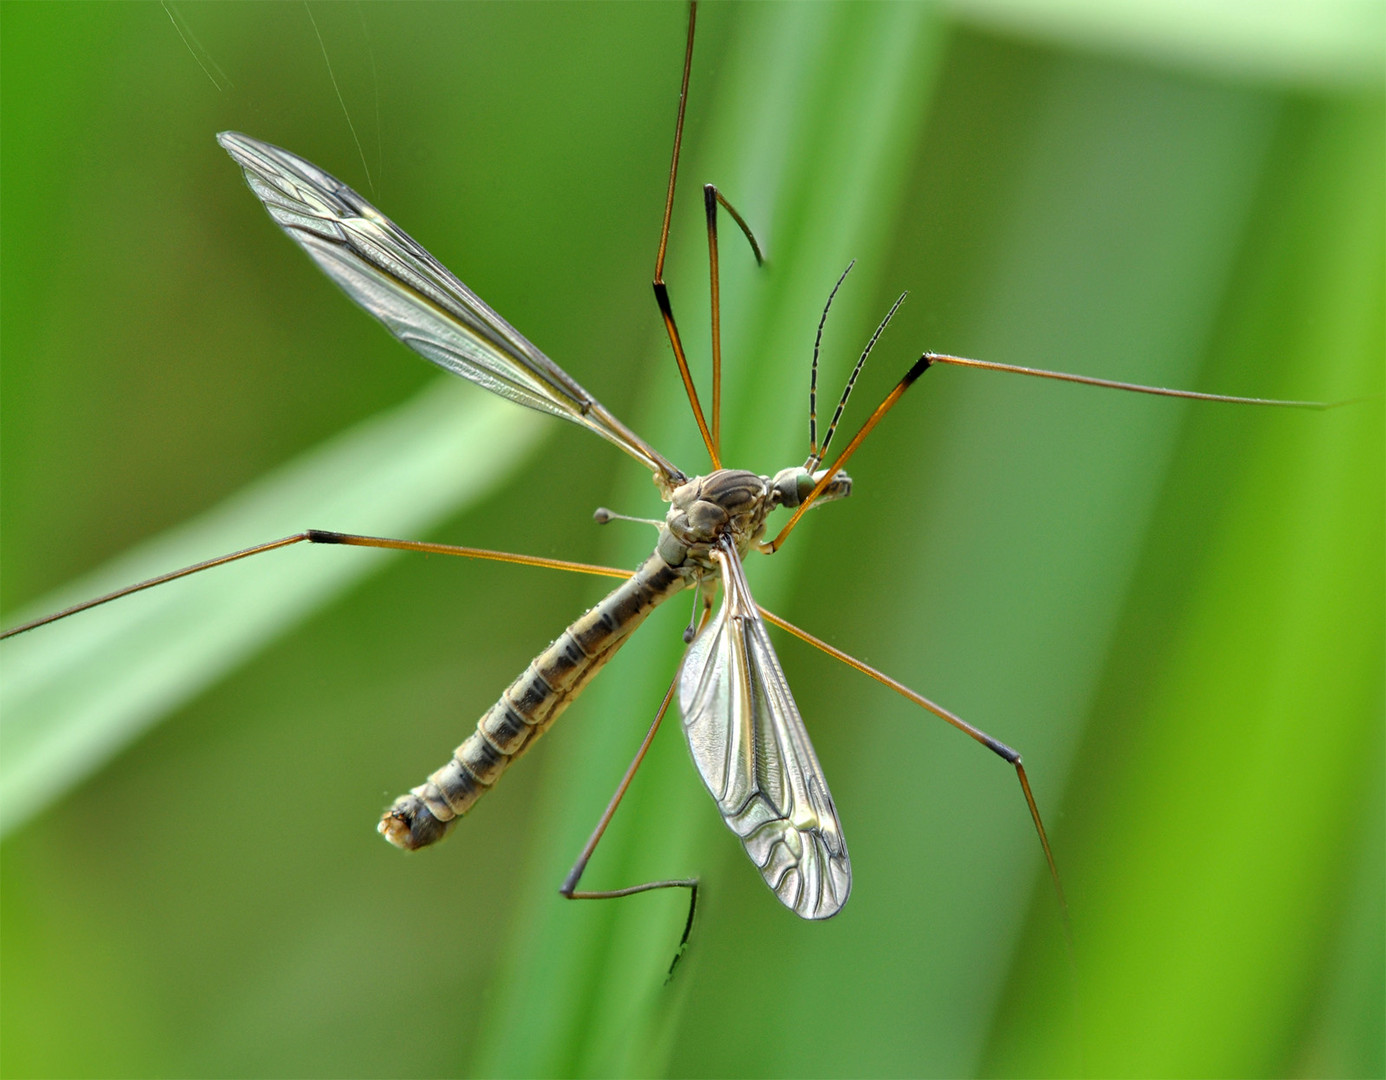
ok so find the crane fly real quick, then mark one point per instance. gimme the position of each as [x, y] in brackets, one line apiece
[744, 730]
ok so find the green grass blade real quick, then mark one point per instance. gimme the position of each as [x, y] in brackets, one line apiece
[1232, 773]
[818, 167]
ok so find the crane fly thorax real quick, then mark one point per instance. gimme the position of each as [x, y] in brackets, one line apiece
[733, 503]
[725, 503]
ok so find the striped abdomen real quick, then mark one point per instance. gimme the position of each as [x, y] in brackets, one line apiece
[528, 706]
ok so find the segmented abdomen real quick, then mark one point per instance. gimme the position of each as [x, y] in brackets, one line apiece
[528, 706]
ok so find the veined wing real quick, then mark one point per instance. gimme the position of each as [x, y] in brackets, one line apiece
[418, 299]
[749, 743]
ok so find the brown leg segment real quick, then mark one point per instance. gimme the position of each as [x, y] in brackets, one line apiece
[569, 887]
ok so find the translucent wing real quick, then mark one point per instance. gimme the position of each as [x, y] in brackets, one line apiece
[750, 746]
[418, 299]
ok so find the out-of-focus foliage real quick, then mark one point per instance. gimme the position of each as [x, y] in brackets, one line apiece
[1173, 610]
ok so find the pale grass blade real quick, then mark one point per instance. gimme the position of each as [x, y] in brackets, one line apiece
[74, 695]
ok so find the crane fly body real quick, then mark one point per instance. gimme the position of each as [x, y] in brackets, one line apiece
[744, 729]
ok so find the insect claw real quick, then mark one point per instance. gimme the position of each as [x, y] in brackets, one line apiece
[687, 930]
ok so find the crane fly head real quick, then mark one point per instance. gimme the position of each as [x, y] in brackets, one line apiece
[790, 487]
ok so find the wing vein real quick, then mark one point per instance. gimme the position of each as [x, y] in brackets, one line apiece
[419, 300]
[750, 746]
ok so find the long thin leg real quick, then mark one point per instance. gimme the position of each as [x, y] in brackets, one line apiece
[322, 536]
[712, 198]
[661, 291]
[569, 887]
[715, 290]
[929, 359]
[1135, 388]
[996, 746]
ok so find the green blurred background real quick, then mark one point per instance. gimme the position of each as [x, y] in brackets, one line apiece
[1174, 611]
